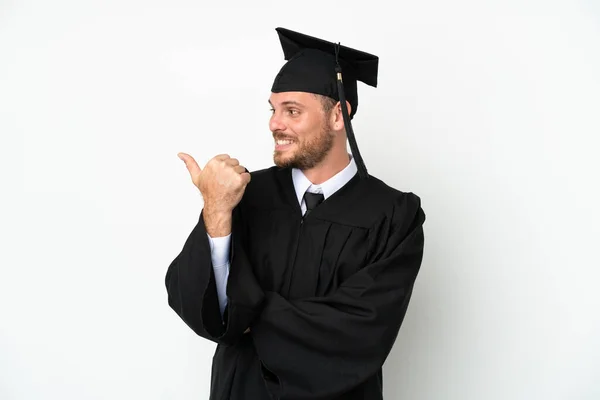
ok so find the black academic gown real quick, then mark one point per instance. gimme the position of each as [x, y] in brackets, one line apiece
[324, 297]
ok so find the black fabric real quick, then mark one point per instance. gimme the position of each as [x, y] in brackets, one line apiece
[312, 200]
[324, 296]
[311, 67]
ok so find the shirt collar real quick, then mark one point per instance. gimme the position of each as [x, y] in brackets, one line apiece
[329, 187]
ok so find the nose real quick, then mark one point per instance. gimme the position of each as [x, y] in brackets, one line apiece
[275, 123]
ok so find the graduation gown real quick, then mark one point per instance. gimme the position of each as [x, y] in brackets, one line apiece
[324, 296]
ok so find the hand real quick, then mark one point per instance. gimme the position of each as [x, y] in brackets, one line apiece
[222, 182]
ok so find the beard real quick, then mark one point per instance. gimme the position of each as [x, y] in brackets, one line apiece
[308, 154]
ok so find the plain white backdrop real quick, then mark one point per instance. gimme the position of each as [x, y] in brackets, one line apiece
[489, 110]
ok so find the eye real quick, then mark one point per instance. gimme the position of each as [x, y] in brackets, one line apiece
[293, 112]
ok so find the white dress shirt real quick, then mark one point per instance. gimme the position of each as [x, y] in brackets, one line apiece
[219, 246]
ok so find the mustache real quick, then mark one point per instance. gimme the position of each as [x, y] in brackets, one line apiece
[281, 136]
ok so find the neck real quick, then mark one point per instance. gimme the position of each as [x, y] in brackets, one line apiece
[329, 167]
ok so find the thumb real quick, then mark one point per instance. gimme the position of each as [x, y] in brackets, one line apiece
[191, 164]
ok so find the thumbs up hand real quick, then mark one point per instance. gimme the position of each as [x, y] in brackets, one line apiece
[222, 182]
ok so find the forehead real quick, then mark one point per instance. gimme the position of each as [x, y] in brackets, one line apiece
[299, 98]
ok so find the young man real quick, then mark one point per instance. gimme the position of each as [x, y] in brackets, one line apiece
[302, 273]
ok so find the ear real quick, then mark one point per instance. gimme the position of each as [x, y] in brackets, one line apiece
[337, 119]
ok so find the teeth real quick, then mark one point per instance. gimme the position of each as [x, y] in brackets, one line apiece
[283, 142]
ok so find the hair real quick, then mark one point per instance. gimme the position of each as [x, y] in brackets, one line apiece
[326, 102]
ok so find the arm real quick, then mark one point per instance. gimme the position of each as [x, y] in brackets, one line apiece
[193, 293]
[191, 281]
[218, 229]
[322, 347]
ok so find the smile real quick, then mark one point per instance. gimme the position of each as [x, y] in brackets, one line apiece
[283, 142]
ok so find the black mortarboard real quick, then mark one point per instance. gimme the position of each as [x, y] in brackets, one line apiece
[329, 69]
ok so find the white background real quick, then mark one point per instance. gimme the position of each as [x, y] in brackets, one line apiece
[490, 111]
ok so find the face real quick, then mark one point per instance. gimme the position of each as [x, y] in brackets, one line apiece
[301, 130]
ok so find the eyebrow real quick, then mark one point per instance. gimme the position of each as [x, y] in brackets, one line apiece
[289, 103]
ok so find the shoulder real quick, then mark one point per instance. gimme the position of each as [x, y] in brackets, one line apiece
[266, 188]
[264, 180]
[401, 212]
[386, 197]
[263, 174]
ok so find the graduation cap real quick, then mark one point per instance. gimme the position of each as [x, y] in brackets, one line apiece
[329, 69]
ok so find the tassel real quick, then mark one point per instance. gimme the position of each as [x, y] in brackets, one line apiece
[362, 169]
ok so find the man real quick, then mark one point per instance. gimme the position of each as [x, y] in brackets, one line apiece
[302, 272]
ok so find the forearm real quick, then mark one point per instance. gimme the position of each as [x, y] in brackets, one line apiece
[191, 286]
[217, 222]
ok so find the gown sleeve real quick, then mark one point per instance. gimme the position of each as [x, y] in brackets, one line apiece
[192, 291]
[322, 347]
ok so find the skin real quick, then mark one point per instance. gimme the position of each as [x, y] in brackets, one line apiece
[222, 183]
[318, 139]
[318, 148]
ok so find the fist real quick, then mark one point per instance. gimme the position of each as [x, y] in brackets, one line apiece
[221, 182]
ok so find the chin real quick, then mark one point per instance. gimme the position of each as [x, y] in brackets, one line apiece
[282, 161]
[282, 158]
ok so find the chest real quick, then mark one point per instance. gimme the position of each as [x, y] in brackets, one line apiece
[302, 258]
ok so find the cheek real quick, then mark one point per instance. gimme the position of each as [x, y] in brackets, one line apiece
[308, 128]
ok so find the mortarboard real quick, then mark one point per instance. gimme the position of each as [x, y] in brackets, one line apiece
[329, 69]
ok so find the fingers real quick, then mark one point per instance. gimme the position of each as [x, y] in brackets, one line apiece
[190, 163]
[232, 161]
[245, 178]
[195, 169]
[240, 169]
[227, 160]
[221, 157]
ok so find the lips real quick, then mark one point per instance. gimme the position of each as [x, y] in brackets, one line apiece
[283, 144]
